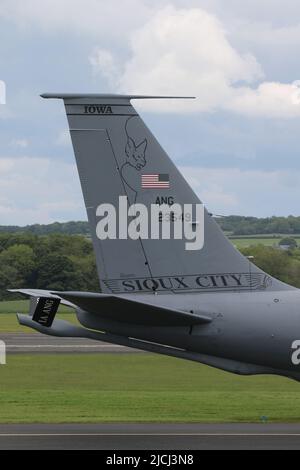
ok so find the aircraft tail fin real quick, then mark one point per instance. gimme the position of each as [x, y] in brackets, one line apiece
[119, 159]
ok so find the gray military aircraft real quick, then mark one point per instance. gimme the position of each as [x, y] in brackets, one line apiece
[209, 304]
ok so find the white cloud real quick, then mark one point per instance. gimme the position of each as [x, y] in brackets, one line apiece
[177, 47]
[2, 92]
[103, 62]
[265, 34]
[271, 99]
[187, 52]
[91, 17]
[6, 165]
[38, 190]
[20, 143]
[246, 192]
[274, 11]
[64, 138]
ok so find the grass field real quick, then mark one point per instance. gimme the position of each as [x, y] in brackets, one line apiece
[22, 306]
[9, 322]
[132, 387]
[136, 388]
[244, 242]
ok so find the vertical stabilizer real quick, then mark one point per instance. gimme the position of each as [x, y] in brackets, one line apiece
[117, 156]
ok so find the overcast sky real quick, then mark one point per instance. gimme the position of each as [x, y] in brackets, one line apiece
[237, 144]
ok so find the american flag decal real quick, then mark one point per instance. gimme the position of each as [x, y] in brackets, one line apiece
[155, 181]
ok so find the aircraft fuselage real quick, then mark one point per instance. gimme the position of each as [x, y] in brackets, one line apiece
[261, 329]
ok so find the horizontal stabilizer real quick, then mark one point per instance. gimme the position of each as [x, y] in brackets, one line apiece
[37, 293]
[108, 96]
[137, 312]
[121, 308]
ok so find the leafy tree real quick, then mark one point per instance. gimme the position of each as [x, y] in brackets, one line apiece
[17, 267]
[56, 272]
[290, 242]
[275, 262]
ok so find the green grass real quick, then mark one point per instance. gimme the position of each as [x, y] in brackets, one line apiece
[136, 388]
[243, 242]
[22, 306]
[9, 322]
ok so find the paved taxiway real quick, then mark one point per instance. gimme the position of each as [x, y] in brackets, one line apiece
[150, 436]
[131, 436]
[38, 343]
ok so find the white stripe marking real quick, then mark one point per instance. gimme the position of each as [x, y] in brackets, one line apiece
[150, 434]
[62, 346]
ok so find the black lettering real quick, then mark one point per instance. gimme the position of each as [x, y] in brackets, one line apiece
[181, 283]
[169, 200]
[104, 109]
[163, 283]
[237, 278]
[99, 109]
[224, 281]
[153, 284]
[129, 285]
[214, 282]
[138, 284]
[199, 281]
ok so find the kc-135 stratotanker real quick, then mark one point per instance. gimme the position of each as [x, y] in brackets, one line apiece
[207, 303]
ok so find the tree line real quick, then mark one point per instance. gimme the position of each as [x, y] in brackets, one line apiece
[66, 262]
[232, 224]
[240, 225]
[57, 262]
[68, 228]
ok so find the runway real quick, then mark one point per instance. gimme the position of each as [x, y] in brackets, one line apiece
[149, 436]
[38, 343]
